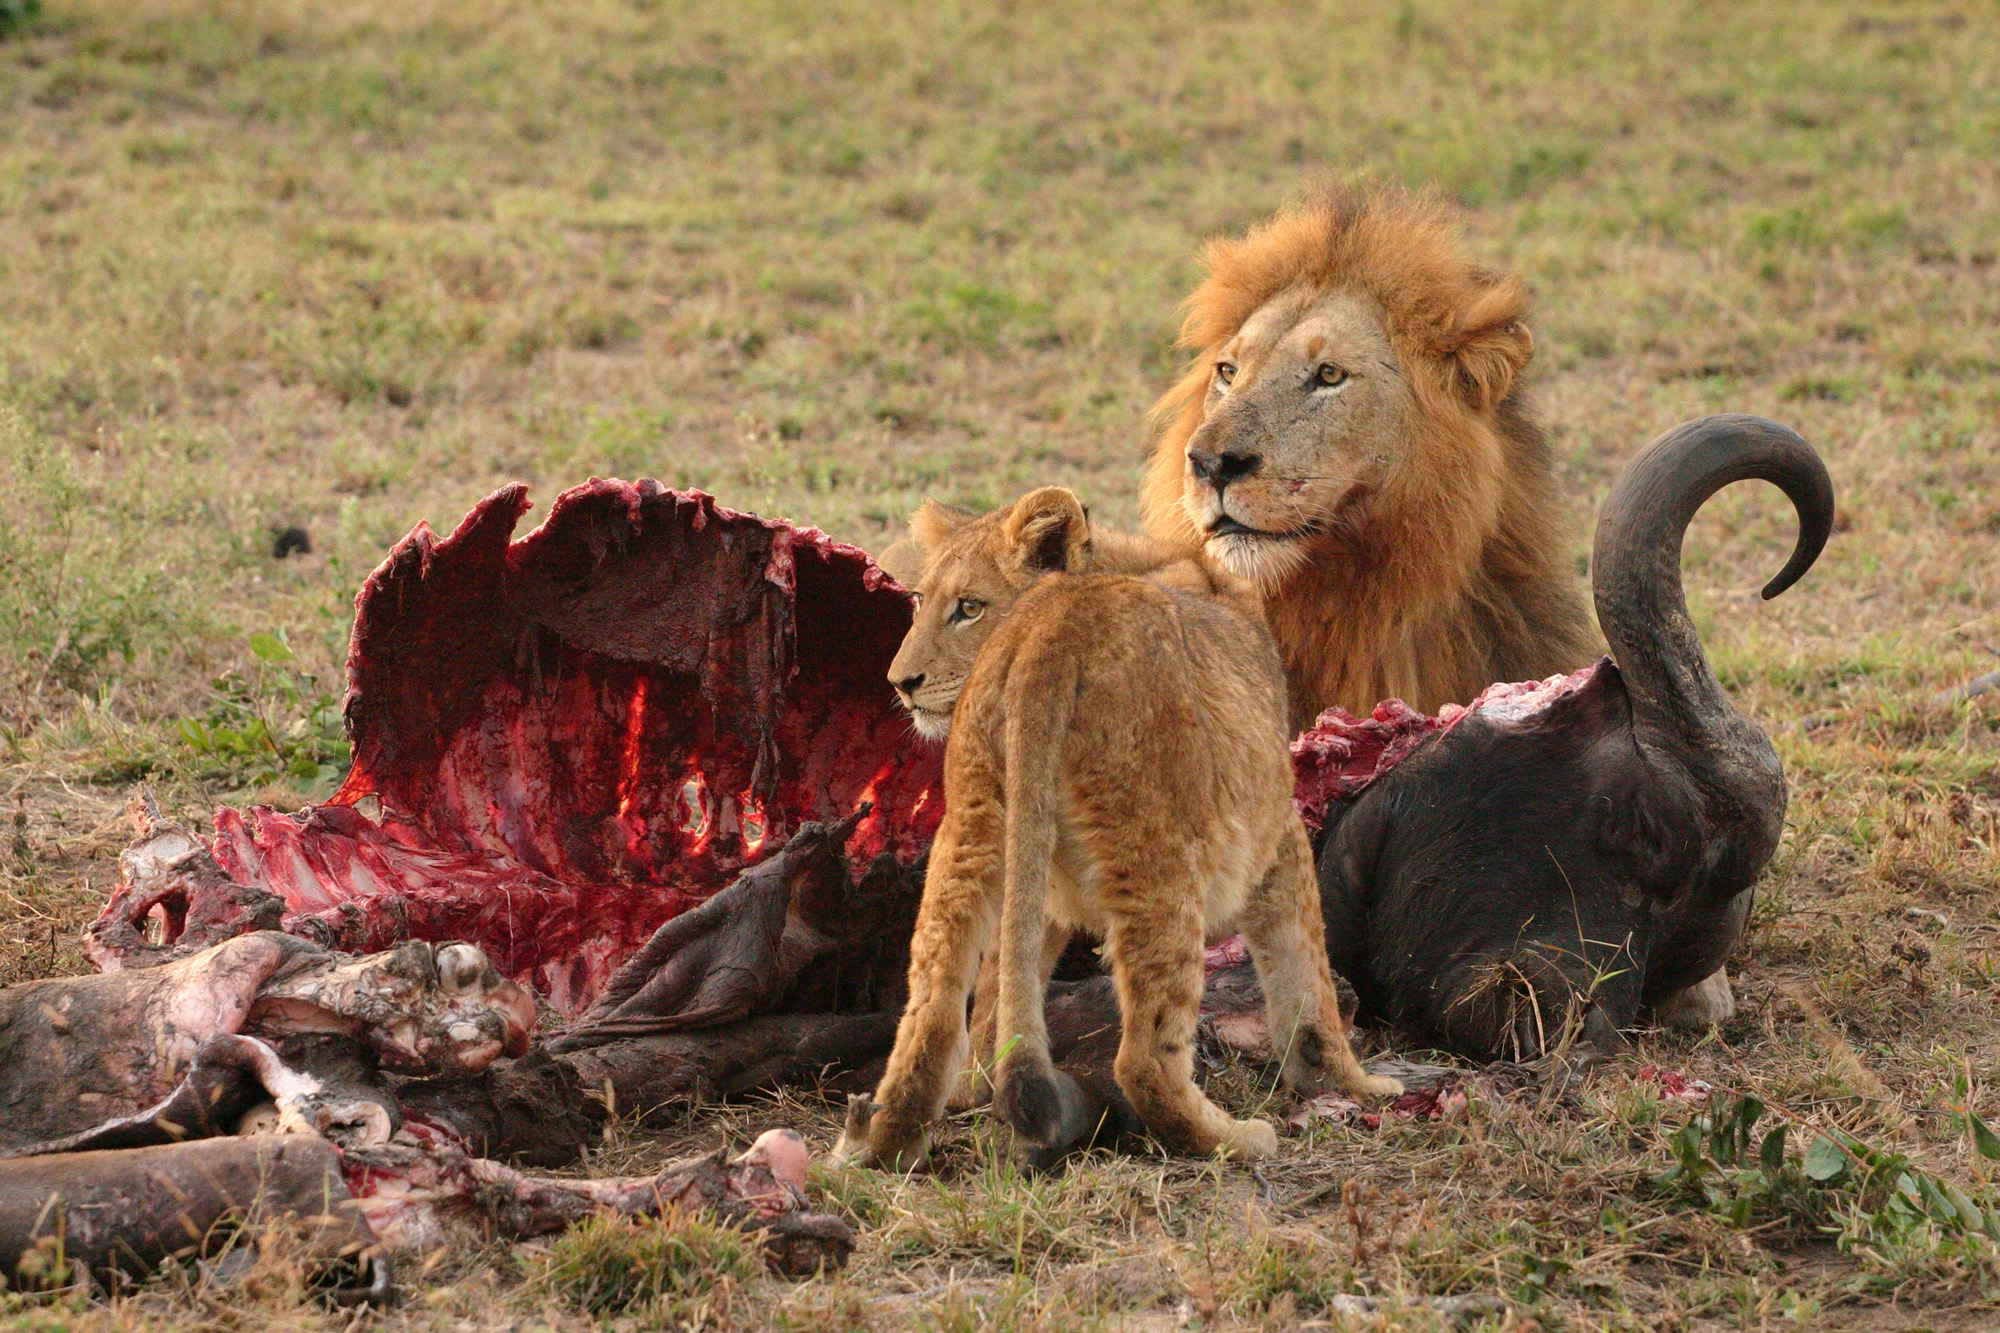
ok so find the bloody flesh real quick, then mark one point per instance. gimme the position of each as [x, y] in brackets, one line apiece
[576, 735]
[1340, 755]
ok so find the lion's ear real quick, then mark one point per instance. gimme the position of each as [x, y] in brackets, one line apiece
[1494, 347]
[932, 523]
[1047, 532]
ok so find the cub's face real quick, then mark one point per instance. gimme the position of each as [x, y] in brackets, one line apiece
[1303, 419]
[974, 570]
[959, 600]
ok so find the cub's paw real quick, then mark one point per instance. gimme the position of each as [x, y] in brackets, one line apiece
[872, 1137]
[901, 1159]
[1304, 1080]
[1371, 1085]
[1249, 1140]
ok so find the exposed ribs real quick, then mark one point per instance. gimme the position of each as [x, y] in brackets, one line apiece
[577, 735]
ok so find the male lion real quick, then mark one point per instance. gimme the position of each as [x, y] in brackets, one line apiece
[1116, 763]
[1351, 437]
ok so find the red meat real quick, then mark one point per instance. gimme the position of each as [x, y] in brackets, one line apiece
[577, 735]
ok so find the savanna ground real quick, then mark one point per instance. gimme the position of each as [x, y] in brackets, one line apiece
[351, 265]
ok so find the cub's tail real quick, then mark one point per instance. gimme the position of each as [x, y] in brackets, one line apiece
[1044, 1106]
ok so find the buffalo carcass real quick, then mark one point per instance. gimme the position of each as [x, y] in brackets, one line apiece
[647, 704]
[1557, 858]
[576, 736]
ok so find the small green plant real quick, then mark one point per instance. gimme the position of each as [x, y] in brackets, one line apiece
[1867, 1198]
[1897, 1206]
[673, 1267]
[277, 723]
[1721, 1160]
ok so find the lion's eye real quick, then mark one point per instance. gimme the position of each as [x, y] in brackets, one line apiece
[1329, 375]
[1224, 372]
[968, 610]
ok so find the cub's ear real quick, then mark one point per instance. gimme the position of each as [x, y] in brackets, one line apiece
[1494, 346]
[933, 522]
[1047, 532]
[904, 561]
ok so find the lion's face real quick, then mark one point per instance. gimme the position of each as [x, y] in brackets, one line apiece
[1305, 412]
[974, 570]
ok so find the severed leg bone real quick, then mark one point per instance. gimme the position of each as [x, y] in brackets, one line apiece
[418, 1192]
[119, 1214]
[233, 1079]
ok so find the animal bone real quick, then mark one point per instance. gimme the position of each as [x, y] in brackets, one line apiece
[153, 1046]
[171, 885]
[343, 1017]
[418, 1192]
[120, 1213]
[441, 1010]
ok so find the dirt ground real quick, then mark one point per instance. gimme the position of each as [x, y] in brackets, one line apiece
[348, 265]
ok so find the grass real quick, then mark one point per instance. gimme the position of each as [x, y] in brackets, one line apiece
[343, 266]
[672, 1269]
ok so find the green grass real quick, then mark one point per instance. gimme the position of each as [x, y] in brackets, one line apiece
[672, 1269]
[351, 265]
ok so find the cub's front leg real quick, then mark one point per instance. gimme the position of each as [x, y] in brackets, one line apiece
[955, 921]
[1281, 924]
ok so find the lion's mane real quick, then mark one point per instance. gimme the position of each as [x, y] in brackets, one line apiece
[1458, 574]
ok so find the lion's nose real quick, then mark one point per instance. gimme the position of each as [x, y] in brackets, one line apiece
[909, 685]
[1218, 470]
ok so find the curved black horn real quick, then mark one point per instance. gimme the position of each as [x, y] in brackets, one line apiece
[1636, 564]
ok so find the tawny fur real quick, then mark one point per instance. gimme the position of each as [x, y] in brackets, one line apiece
[1116, 763]
[1441, 558]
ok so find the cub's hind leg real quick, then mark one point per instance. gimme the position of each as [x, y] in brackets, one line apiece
[955, 922]
[1281, 923]
[1156, 965]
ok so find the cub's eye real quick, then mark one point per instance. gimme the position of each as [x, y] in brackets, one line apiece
[968, 610]
[1224, 372]
[1329, 375]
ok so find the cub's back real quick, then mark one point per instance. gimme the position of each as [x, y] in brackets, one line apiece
[1166, 678]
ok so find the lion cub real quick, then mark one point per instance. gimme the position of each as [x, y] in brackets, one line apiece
[1116, 763]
